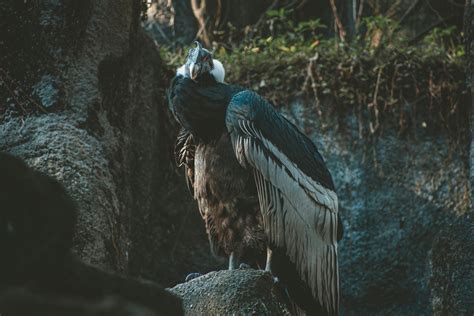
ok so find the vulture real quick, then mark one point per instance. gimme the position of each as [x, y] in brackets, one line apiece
[262, 188]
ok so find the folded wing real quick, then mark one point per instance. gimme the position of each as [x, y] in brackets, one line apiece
[296, 193]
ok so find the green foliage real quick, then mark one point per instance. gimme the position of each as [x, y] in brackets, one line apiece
[280, 14]
[381, 31]
[285, 31]
[384, 82]
[441, 41]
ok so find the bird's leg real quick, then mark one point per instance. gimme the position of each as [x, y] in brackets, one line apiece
[233, 262]
[268, 266]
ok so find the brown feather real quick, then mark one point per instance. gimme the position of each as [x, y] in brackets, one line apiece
[228, 202]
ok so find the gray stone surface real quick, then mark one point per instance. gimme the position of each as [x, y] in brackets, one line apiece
[55, 146]
[237, 292]
[452, 266]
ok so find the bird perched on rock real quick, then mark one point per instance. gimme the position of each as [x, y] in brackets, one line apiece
[261, 185]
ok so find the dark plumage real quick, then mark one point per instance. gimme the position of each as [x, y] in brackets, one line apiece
[199, 108]
[259, 182]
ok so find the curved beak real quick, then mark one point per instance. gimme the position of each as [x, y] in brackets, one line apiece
[193, 70]
[193, 64]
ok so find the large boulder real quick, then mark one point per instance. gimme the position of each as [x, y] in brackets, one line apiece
[236, 292]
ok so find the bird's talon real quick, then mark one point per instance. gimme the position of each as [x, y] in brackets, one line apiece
[244, 266]
[192, 276]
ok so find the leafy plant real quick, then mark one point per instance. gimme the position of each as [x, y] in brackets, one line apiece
[443, 41]
[382, 31]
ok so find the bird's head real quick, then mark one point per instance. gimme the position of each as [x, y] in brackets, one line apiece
[200, 61]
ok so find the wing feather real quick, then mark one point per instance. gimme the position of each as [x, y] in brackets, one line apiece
[296, 193]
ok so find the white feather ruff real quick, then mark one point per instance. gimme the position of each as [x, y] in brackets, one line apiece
[218, 71]
[181, 71]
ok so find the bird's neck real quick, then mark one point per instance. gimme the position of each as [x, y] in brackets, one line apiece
[206, 79]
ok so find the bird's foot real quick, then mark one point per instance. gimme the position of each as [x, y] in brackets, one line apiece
[268, 266]
[192, 276]
[276, 280]
[244, 266]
